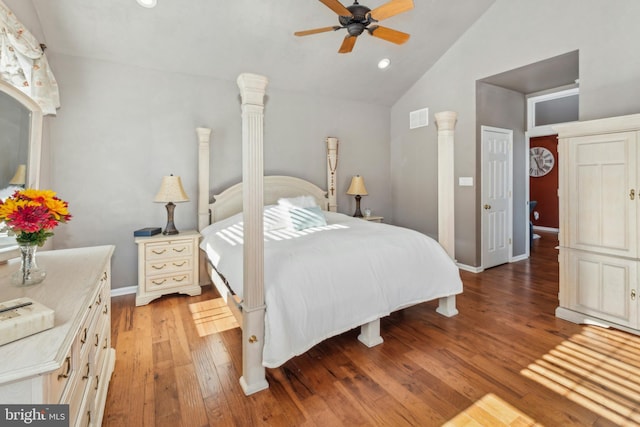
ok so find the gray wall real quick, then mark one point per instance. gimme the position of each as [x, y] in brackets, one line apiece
[121, 128]
[511, 34]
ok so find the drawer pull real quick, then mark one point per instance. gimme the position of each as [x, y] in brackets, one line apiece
[68, 370]
[175, 279]
[159, 252]
[158, 282]
[104, 275]
[84, 377]
[105, 310]
[175, 264]
[84, 336]
[160, 267]
[99, 299]
[632, 194]
[106, 342]
[97, 340]
[97, 382]
[633, 294]
[179, 250]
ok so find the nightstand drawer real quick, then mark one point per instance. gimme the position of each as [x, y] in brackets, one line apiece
[168, 266]
[169, 249]
[169, 281]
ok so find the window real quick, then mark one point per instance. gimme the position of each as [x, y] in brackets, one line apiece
[552, 108]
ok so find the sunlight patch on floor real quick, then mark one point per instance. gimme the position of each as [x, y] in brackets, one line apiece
[599, 369]
[490, 410]
[212, 316]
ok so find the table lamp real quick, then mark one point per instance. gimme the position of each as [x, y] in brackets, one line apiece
[357, 189]
[171, 191]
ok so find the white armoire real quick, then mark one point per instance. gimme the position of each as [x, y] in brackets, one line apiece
[599, 216]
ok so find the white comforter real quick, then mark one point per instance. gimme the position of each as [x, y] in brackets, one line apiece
[323, 281]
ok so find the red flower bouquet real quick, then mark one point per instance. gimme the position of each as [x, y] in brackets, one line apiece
[32, 214]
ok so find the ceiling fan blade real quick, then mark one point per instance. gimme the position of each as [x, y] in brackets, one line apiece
[393, 36]
[347, 44]
[391, 8]
[337, 7]
[316, 31]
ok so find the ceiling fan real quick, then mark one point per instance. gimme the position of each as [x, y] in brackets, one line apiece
[357, 18]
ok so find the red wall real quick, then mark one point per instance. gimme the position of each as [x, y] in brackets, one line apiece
[544, 189]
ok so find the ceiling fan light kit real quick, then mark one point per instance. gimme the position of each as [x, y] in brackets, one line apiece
[357, 18]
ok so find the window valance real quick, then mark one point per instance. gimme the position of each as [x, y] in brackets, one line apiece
[23, 63]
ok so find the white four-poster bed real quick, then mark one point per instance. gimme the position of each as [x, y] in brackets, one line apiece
[285, 323]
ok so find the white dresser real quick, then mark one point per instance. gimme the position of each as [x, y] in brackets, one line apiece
[72, 362]
[599, 180]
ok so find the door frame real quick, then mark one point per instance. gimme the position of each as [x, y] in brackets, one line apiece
[509, 224]
[548, 131]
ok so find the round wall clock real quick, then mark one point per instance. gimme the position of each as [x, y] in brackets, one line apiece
[541, 161]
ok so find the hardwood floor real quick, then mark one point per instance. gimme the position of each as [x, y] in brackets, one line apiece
[504, 360]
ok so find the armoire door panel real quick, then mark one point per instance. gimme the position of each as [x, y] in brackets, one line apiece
[603, 216]
[603, 287]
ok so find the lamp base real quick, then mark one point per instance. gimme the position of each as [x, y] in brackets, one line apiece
[170, 227]
[358, 214]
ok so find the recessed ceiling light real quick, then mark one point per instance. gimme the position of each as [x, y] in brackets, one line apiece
[384, 63]
[147, 3]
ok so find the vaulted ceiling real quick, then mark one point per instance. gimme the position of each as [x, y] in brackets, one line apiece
[222, 39]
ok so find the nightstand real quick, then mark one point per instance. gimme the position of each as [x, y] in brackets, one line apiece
[167, 264]
[373, 218]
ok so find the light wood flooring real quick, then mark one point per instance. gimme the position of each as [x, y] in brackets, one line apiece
[504, 360]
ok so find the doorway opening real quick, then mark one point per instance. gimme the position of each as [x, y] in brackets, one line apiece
[501, 101]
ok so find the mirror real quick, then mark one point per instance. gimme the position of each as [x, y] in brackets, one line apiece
[20, 142]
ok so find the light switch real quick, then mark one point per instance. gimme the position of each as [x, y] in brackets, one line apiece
[465, 181]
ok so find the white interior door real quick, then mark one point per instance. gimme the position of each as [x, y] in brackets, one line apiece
[497, 178]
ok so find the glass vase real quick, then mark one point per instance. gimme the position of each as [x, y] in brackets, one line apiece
[29, 272]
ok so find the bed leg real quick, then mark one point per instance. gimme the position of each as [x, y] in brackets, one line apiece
[370, 333]
[447, 306]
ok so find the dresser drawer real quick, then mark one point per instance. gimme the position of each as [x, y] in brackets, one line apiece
[168, 281]
[168, 249]
[59, 379]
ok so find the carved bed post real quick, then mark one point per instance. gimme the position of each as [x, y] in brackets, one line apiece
[252, 89]
[332, 177]
[204, 135]
[446, 122]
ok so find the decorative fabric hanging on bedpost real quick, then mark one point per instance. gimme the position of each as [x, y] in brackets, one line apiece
[23, 63]
[252, 89]
[332, 166]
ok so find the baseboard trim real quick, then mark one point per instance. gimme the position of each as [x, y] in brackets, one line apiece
[547, 229]
[518, 258]
[469, 268]
[127, 290]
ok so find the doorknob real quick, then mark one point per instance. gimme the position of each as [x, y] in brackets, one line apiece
[487, 206]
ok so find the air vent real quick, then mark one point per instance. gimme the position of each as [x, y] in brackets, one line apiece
[419, 118]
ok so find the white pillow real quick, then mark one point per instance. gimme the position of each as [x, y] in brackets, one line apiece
[276, 217]
[300, 202]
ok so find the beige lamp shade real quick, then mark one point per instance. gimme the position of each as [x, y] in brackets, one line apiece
[20, 177]
[171, 190]
[357, 187]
